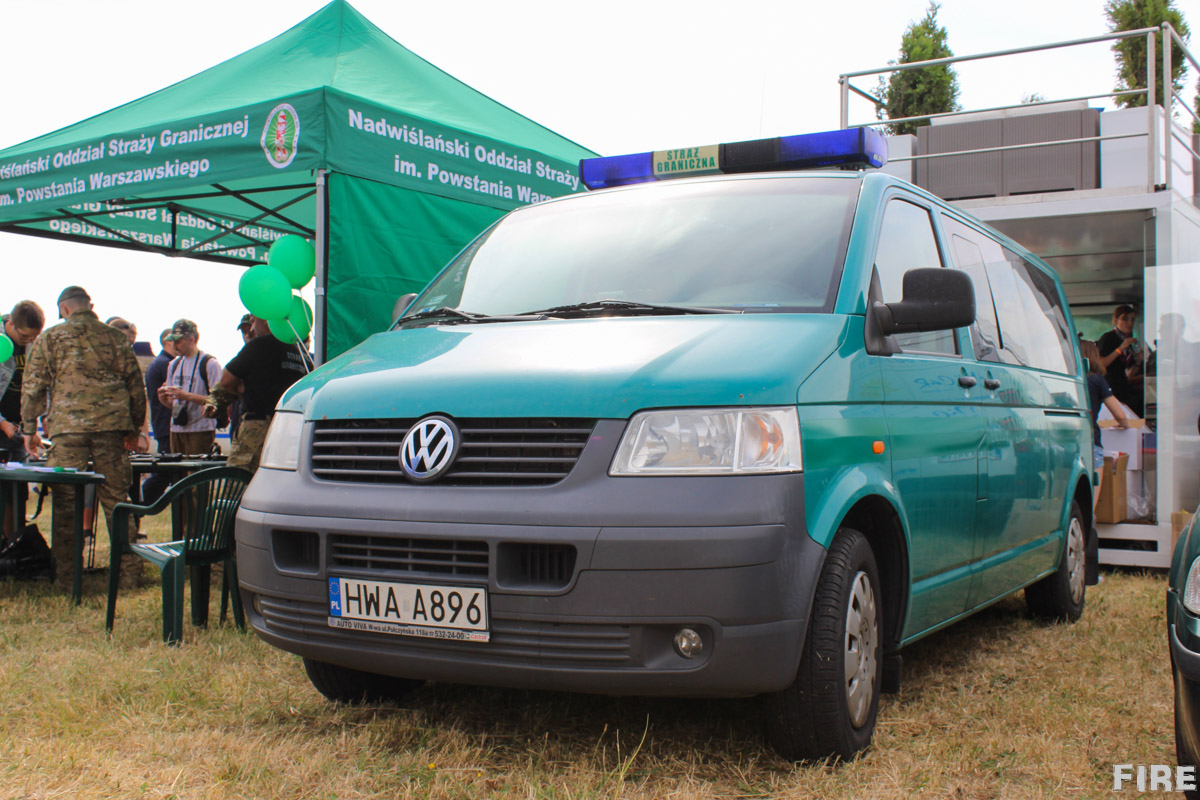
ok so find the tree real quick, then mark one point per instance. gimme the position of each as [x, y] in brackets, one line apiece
[1129, 15]
[913, 92]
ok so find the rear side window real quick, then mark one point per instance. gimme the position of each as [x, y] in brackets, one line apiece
[966, 244]
[1024, 320]
[906, 241]
[1050, 335]
[1015, 339]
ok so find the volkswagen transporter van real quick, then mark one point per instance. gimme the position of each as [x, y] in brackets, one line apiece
[749, 433]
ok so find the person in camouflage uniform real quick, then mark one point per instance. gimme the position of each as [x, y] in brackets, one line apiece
[83, 375]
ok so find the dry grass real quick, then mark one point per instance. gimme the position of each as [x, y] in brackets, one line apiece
[996, 707]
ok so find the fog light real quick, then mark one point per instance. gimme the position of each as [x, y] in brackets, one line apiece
[688, 643]
[256, 603]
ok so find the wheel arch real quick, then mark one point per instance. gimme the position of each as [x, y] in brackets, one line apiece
[1083, 496]
[876, 518]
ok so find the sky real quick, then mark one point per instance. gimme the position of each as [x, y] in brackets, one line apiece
[616, 77]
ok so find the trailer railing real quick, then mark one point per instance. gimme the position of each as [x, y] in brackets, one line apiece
[1155, 151]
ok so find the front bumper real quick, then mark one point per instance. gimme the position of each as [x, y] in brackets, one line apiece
[1183, 634]
[729, 557]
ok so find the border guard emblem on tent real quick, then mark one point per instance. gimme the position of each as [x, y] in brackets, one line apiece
[281, 135]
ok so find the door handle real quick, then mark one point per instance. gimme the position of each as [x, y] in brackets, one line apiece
[991, 383]
[966, 381]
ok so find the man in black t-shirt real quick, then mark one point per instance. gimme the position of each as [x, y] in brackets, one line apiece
[22, 326]
[260, 374]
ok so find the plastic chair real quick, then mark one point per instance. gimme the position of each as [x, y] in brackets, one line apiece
[215, 494]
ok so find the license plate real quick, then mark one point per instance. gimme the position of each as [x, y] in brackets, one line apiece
[409, 609]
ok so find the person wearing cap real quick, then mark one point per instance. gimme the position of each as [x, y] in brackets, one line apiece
[82, 375]
[246, 329]
[260, 373]
[190, 375]
[22, 326]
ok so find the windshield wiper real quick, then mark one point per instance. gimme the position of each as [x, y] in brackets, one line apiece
[624, 308]
[455, 316]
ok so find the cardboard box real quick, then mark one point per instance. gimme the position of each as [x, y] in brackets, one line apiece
[1179, 521]
[1126, 440]
[1110, 506]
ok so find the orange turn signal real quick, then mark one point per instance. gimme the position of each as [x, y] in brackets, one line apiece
[876, 447]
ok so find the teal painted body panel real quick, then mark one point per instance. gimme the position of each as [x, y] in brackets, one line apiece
[596, 368]
[842, 405]
[937, 432]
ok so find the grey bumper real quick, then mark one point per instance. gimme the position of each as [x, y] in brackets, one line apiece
[728, 557]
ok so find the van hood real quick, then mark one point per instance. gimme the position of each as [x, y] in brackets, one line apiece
[594, 368]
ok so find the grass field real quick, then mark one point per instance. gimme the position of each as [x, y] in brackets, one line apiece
[996, 707]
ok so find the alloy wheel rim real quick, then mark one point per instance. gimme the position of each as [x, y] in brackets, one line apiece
[1075, 560]
[861, 653]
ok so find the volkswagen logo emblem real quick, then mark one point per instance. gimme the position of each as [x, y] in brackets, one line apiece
[429, 449]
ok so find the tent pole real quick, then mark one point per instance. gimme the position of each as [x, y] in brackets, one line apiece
[322, 248]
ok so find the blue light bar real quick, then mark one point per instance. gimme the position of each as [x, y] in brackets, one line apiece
[600, 173]
[851, 148]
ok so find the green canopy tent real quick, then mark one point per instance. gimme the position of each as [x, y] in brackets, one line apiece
[332, 131]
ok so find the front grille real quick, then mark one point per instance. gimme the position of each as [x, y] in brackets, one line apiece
[493, 452]
[513, 641]
[387, 555]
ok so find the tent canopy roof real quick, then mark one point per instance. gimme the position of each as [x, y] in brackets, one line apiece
[337, 48]
[332, 131]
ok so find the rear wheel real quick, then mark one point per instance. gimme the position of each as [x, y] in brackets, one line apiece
[830, 709]
[346, 685]
[1059, 596]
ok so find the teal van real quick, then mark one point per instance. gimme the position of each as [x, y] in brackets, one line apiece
[747, 433]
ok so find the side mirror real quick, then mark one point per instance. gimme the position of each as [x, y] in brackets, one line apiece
[401, 305]
[935, 299]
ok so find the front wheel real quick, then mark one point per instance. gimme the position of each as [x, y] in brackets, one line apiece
[830, 709]
[346, 685]
[1059, 596]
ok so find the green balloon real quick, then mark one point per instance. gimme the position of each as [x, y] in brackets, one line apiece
[6, 347]
[295, 258]
[300, 318]
[265, 292]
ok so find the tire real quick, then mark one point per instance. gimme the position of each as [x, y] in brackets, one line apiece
[1059, 596]
[1186, 734]
[1184, 759]
[346, 685]
[830, 709]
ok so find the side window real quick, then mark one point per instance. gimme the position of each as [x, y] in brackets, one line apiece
[965, 244]
[1049, 332]
[1015, 337]
[906, 241]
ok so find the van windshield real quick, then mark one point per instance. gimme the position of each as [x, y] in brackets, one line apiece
[762, 244]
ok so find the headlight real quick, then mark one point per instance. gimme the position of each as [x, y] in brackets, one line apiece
[710, 441]
[281, 450]
[1191, 589]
